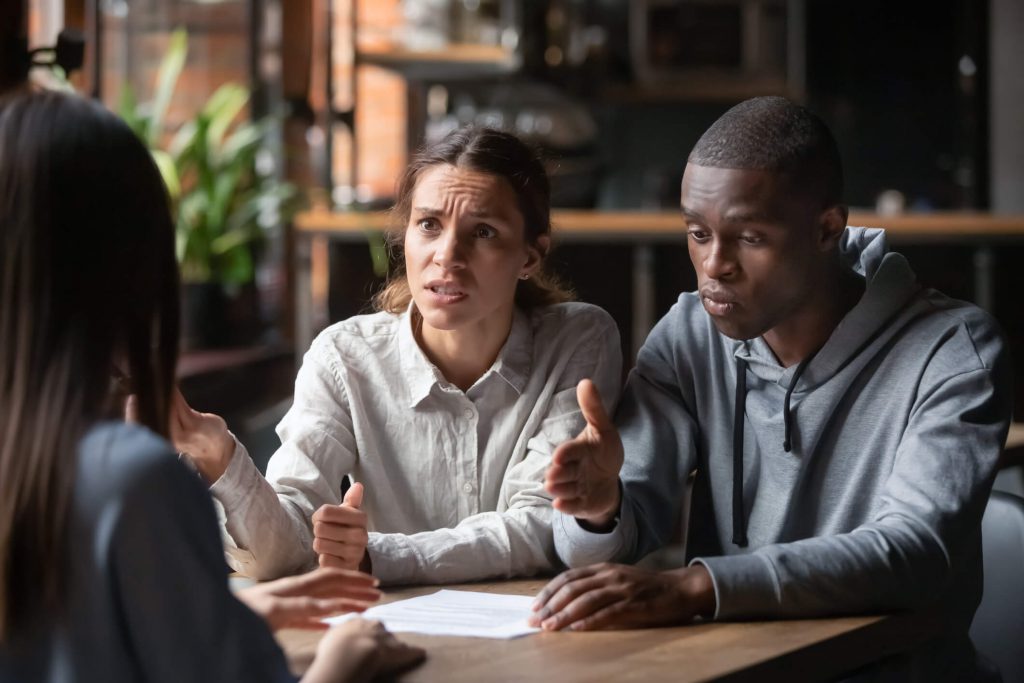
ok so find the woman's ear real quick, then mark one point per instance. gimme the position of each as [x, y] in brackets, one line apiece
[535, 254]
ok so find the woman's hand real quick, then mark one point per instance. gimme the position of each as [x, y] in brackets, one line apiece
[302, 601]
[339, 533]
[203, 436]
[360, 650]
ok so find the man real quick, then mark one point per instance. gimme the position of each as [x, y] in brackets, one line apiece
[843, 423]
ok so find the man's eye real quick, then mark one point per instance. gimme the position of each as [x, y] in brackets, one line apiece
[485, 231]
[697, 235]
[751, 239]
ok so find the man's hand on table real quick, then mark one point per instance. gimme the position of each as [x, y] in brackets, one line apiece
[584, 473]
[608, 596]
[302, 601]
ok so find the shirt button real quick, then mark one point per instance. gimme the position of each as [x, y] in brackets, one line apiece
[467, 487]
[468, 412]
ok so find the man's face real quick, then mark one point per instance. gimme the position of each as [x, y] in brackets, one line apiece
[754, 245]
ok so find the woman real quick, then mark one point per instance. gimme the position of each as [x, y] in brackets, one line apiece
[110, 564]
[444, 406]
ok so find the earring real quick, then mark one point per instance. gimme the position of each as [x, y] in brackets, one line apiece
[524, 276]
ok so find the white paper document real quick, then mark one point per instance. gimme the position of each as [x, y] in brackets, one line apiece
[454, 613]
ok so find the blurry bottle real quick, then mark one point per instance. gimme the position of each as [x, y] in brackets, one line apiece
[427, 24]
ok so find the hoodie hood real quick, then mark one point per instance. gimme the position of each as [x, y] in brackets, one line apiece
[889, 284]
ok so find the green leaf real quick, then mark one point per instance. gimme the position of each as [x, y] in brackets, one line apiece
[183, 144]
[244, 140]
[222, 108]
[236, 266]
[168, 171]
[228, 241]
[378, 244]
[128, 109]
[166, 80]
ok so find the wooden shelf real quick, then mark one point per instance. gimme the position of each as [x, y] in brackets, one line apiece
[662, 226]
[456, 61]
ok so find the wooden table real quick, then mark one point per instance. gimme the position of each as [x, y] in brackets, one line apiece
[641, 232]
[811, 649]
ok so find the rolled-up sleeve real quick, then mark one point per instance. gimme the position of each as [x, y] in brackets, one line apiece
[266, 522]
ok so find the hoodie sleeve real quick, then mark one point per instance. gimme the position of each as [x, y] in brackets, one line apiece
[926, 529]
[655, 421]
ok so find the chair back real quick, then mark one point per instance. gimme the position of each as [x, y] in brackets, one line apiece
[998, 627]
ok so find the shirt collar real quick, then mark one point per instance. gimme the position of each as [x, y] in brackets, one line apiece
[516, 356]
[512, 364]
[419, 373]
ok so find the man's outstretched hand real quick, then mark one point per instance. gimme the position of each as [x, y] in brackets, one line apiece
[584, 473]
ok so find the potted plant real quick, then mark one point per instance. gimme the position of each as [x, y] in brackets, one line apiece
[225, 196]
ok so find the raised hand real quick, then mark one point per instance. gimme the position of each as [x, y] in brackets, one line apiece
[584, 472]
[203, 436]
[339, 532]
[604, 596]
[302, 601]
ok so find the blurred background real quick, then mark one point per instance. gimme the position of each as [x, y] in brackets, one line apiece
[282, 127]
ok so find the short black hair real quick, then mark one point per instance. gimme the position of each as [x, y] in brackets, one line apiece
[774, 134]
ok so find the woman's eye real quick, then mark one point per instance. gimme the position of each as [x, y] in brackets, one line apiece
[485, 231]
[426, 225]
[697, 235]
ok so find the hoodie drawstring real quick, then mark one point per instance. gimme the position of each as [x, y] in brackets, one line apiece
[787, 414]
[739, 518]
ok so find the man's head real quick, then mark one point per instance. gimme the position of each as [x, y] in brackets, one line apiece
[762, 201]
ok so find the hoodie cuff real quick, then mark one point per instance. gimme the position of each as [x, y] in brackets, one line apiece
[745, 586]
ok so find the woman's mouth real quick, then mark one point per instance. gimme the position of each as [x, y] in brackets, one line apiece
[446, 294]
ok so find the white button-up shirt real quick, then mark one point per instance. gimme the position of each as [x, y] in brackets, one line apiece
[454, 480]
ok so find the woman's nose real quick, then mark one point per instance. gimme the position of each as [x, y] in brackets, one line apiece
[448, 250]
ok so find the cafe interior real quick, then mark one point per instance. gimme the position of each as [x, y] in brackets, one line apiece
[321, 103]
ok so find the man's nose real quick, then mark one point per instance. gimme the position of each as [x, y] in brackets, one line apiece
[719, 262]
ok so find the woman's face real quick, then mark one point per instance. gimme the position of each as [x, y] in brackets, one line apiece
[465, 249]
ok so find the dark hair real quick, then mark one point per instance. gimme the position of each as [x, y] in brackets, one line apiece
[496, 153]
[774, 134]
[87, 279]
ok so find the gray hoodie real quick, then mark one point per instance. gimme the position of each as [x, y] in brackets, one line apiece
[873, 500]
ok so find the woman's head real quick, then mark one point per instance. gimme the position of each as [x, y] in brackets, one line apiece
[88, 281]
[472, 211]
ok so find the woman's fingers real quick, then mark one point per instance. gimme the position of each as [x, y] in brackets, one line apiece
[340, 533]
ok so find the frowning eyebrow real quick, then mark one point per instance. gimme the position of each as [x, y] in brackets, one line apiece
[431, 211]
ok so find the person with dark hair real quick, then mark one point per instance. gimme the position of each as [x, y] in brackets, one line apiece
[841, 422]
[111, 568]
[444, 406]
